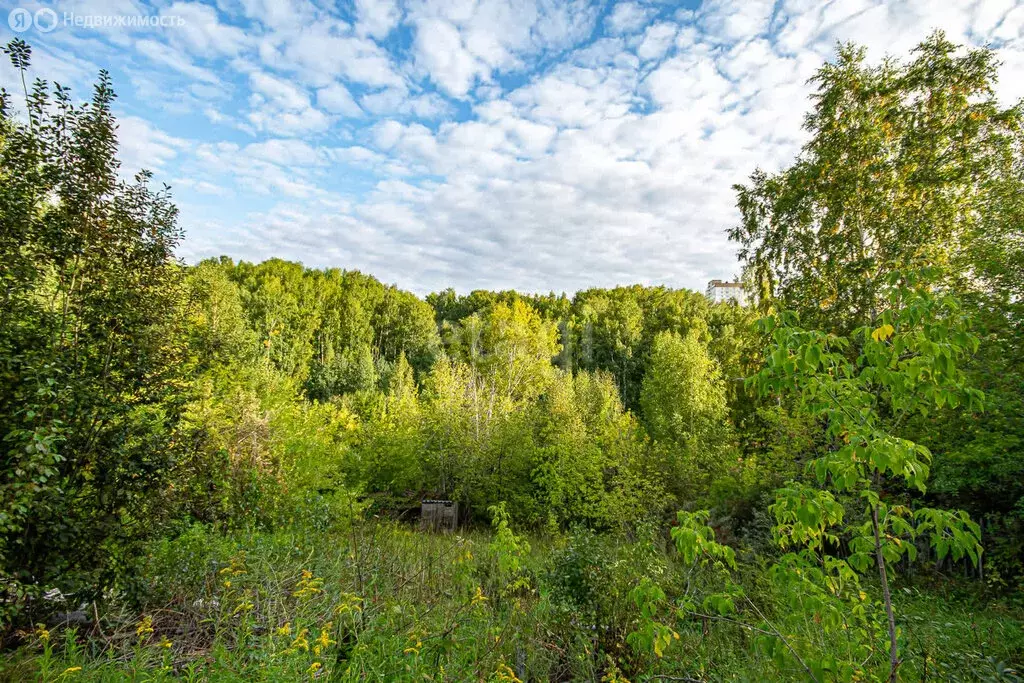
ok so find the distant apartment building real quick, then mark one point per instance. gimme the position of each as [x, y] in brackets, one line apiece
[720, 291]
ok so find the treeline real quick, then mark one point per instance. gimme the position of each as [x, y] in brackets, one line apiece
[326, 328]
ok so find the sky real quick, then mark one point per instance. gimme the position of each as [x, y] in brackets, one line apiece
[541, 145]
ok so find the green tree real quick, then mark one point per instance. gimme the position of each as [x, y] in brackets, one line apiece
[217, 323]
[449, 435]
[684, 407]
[911, 162]
[91, 346]
[907, 163]
[404, 324]
[279, 302]
[905, 362]
[591, 464]
[611, 328]
[391, 443]
[518, 346]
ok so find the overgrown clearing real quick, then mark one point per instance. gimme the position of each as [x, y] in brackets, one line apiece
[386, 602]
[207, 470]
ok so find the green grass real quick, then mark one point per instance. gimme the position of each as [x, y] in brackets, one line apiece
[382, 601]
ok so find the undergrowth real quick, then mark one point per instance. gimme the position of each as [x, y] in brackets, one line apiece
[383, 601]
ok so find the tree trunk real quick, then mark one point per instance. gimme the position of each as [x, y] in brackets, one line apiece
[894, 661]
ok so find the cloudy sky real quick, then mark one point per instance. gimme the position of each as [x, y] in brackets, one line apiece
[535, 144]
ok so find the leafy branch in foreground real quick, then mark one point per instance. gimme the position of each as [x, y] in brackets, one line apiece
[863, 387]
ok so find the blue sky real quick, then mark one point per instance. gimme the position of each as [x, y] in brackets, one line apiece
[535, 144]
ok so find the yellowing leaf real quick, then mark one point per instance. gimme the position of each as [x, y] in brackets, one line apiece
[883, 332]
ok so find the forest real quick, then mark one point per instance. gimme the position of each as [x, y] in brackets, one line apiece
[214, 471]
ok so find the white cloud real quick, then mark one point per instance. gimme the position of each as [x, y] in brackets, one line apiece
[733, 21]
[201, 31]
[578, 97]
[273, 168]
[657, 40]
[278, 106]
[396, 101]
[336, 99]
[627, 17]
[376, 18]
[441, 52]
[175, 59]
[143, 146]
[288, 122]
[284, 152]
[280, 92]
[325, 49]
[279, 14]
[201, 186]
[458, 44]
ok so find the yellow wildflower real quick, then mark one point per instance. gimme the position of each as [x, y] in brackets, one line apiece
[505, 673]
[145, 627]
[236, 567]
[308, 585]
[324, 641]
[301, 642]
[246, 606]
[349, 603]
[414, 649]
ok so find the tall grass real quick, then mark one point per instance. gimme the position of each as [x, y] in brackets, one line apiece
[379, 600]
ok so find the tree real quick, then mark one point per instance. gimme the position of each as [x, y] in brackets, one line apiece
[217, 323]
[905, 362]
[516, 349]
[91, 346]
[611, 330]
[279, 302]
[911, 162]
[684, 407]
[907, 163]
[404, 325]
[591, 465]
[391, 445]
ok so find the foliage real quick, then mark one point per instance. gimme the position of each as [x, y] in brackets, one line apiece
[90, 346]
[684, 405]
[911, 162]
[890, 177]
[383, 601]
[215, 462]
[905, 363]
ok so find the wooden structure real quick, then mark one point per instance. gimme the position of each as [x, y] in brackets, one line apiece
[439, 515]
